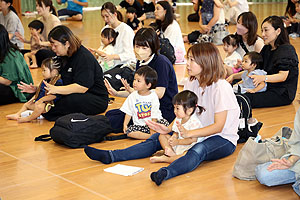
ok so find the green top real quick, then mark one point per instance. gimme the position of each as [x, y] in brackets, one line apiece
[15, 69]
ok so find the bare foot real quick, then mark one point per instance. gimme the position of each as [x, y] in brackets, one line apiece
[13, 116]
[159, 159]
[23, 120]
[169, 152]
[33, 66]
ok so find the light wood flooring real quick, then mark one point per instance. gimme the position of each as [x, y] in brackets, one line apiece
[32, 170]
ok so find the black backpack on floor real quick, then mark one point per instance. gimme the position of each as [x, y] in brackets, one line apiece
[77, 130]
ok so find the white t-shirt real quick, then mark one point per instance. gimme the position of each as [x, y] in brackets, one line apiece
[173, 33]
[109, 49]
[124, 44]
[13, 24]
[242, 6]
[49, 23]
[142, 108]
[241, 51]
[232, 59]
[192, 124]
[216, 98]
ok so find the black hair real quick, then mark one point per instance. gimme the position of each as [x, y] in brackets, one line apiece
[255, 58]
[187, 99]
[147, 37]
[37, 25]
[51, 63]
[231, 39]
[47, 3]
[11, 6]
[290, 8]
[131, 10]
[110, 33]
[169, 17]
[277, 23]
[149, 74]
[5, 44]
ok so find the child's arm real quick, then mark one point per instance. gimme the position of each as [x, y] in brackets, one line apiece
[126, 121]
[49, 97]
[234, 76]
[187, 141]
[260, 86]
[21, 38]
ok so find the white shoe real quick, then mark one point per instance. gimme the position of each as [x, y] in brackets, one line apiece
[29, 112]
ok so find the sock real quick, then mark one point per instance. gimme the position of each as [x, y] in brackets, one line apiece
[158, 176]
[97, 154]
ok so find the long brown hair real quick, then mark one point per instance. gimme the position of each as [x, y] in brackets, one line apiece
[208, 57]
[249, 20]
[47, 3]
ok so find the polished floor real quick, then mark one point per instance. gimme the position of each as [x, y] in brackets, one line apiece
[32, 170]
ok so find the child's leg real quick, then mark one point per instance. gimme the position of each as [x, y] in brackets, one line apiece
[164, 158]
[138, 132]
[163, 139]
[34, 63]
[139, 135]
[26, 106]
[27, 58]
[39, 108]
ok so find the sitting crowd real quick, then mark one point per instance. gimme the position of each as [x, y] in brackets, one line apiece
[198, 124]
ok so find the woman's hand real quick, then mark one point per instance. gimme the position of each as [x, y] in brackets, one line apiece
[160, 128]
[24, 87]
[107, 57]
[110, 89]
[126, 85]
[52, 89]
[257, 79]
[279, 164]
[183, 132]
[251, 90]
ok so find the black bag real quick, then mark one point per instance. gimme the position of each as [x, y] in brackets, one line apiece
[166, 48]
[115, 74]
[244, 130]
[77, 130]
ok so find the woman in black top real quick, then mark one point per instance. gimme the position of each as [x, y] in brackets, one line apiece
[280, 61]
[84, 90]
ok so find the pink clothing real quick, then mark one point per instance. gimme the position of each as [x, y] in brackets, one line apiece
[216, 98]
[234, 70]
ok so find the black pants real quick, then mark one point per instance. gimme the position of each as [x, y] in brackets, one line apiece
[87, 103]
[193, 17]
[42, 55]
[270, 98]
[7, 95]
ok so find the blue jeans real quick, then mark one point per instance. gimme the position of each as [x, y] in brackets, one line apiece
[212, 148]
[206, 17]
[275, 177]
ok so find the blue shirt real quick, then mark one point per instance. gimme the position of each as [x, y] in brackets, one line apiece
[74, 6]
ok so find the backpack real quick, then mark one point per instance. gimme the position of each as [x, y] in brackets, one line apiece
[77, 130]
[244, 131]
[166, 48]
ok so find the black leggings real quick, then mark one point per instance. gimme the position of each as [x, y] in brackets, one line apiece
[86, 103]
[7, 95]
[270, 98]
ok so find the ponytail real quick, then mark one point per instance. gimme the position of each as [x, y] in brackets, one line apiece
[48, 3]
[201, 109]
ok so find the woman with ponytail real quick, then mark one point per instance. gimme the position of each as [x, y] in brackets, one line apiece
[11, 22]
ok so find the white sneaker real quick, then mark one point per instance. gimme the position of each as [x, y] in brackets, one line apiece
[29, 112]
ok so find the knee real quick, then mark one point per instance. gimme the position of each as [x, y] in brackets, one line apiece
[262, 174]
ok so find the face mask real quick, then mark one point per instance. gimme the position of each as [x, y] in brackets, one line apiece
[241, 30]
[142, 54]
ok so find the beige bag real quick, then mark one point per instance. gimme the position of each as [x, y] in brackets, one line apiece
[253, 153]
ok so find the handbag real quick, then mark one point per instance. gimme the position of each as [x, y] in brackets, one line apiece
[219, 31]
[254, 153]
[166, 48]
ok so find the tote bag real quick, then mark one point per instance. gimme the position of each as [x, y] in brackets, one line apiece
[254, 153]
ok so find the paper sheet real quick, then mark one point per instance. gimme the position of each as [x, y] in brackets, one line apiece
[124, 170]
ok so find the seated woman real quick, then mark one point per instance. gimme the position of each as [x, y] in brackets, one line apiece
[13, 70]
[146, 46]
[84, 90]
[74, 9]
[287, 169]
[167, 25]
[220, 120]
[280, 61]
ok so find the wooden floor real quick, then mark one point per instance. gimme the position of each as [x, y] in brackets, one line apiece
[32, 170]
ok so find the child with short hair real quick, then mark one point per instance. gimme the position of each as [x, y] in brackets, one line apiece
[132, 19]
[108, 40]
[185, 105]
[41, 102]
[233, 58]
[142, 104]
[250, 61]
[36, 28]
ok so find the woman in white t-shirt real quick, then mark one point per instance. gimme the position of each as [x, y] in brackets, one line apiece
[233, 8]
[123, 48]
[220, 120]
[246, 29]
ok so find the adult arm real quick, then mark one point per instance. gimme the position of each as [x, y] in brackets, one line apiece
[66, 89]
[258, 88]
[142, 18]
[259, 44]
[5, 81]
[274, 78]
[232, 3]
[234, 76]
[212, 22]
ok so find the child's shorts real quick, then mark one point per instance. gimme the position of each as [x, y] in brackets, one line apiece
[145, 128]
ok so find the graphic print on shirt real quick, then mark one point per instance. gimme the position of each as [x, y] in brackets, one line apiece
[143, 109]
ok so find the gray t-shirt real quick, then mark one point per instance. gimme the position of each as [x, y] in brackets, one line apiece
[13, 24]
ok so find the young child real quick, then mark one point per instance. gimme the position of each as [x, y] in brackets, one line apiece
[295, 22]
[36, 27]
[108, 40]
[132, 19]
[250, 61]
[185, 105]
[41, 102]
[142, 104]
[233, 59]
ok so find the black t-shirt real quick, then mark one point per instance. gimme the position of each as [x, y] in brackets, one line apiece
[139, 8]
[82, 68]
[134, 24]
[283, 58]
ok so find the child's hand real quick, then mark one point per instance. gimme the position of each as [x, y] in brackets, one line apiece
[124, 128]
[229, 79]
[37, 39]
[109, 88]
[173, 141]
[20, 37]
[238, 64]
[251, 91]
[183, 132]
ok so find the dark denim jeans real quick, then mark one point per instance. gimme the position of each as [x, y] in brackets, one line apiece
[212, 148]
